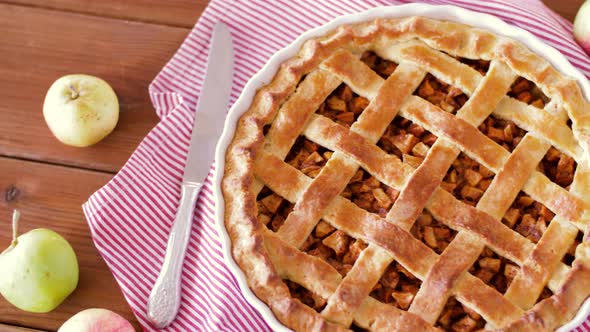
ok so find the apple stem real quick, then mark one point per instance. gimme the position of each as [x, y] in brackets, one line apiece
[75, 93]
[15, 218]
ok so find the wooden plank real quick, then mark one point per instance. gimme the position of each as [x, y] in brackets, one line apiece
[186, 12]
[51, 196]
[10, 328]
[567, 8]
[182, 13]
[38, 46]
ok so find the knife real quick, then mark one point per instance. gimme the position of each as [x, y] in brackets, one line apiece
[164, 300]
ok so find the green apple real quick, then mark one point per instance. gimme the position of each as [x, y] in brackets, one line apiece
[96, 320]
[39, 270]
[81, 110]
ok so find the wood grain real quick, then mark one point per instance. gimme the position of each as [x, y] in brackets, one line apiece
[565, 8]
[181, 13]
[10, 328]
[38, 46]
[51, 197]
[184, 13]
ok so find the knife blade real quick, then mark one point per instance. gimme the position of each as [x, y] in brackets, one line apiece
[164, 300]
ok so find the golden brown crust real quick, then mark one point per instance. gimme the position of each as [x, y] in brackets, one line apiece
[288, 103]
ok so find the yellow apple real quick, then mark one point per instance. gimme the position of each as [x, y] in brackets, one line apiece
[81, 110]
[582, 27]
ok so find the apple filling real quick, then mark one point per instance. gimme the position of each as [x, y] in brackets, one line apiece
[558, 167]
[343, 106]
[381, 66]
[308, 157]
[334, 247]
[397, 286]
[306, 296]
[467, 180]
[494, 270]
[272, 209]
[528, 217]
[446, 96]
[503, 132]
[527, 92]
[408, 141]
[369, 194]
[458, 317]
[432, 232]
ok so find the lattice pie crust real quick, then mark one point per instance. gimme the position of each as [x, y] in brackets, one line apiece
[413, 174]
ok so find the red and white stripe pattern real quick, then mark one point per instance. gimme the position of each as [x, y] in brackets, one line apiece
[131, 216]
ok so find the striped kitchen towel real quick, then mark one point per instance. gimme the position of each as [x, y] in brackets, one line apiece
[130, 217]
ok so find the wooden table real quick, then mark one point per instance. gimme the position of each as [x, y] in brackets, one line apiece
[123, 42]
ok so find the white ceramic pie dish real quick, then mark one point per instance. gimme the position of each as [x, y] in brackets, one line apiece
[266, 74]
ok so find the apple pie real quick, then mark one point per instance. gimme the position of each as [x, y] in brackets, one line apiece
[413, 175]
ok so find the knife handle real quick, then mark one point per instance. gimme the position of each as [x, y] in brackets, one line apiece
[164, 300]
